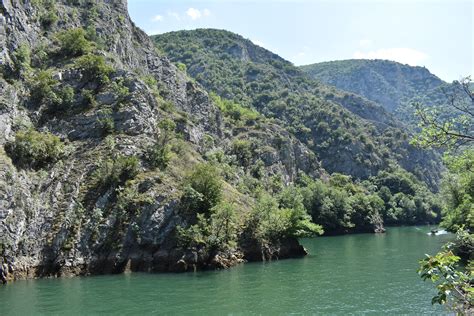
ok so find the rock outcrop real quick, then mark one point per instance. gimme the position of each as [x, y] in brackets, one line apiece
[60, 219]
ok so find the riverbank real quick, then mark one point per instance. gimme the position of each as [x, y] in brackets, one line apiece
[162, 260]
[357, 274]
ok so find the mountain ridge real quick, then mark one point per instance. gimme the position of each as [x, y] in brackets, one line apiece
[391, 84]
[266, 81]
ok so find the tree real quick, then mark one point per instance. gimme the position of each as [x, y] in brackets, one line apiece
[35, 149]
[451, 124]
[203, 189]
[215, 232]
[453, 284]
[458, 192]
[159, 154]
[74, 43]
[452, 127]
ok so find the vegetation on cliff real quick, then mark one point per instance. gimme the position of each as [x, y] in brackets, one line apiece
[392, 85]
[451, 128]
[115, 158]
[349, 134]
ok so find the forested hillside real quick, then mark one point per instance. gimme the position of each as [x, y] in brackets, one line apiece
[392, 85]
[112, 158]
[348, 133]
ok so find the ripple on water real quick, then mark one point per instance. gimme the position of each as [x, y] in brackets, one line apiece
[354, 274]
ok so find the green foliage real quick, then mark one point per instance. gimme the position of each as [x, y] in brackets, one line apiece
[449, 124]
[217, 232]
[300, 222]
[273, 219]
[43, 86]
[22, 59]
[129, 200]
[46, 90]
[458, 192]
[94, 68]
[242, 149]
[115, 171]
[150, 81]
[159, 154]
[73, 42]
[453, 284]
[203, 189]
[234, 110]
[34, 149]
[265, 85]
[106, 121]
[328, 206]
[450, 127]
[341, 205]
[406, 199]
[88, 98]
[181, 67]
[49, 13]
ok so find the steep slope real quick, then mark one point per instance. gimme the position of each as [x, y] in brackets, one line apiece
[348, 133]
[388, 83]
[99, 138]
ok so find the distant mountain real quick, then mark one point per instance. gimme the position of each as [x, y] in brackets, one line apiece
[349, 133]
[390, 84]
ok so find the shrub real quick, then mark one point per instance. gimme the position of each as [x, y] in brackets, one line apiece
[34, 149]
[43, 86]
[300, 222]
[242, 149]
[95, 68]
[88, 98]
[268, 223]
[22, 59]
[218, 232]
[115, 171]
[159, 154]
[203, 189]
[73, 42]
[106, 121]
[45, 89]
[49, 18]
[120, 90]
[234, 110]
[64, 99]
[454, 284]
[181, 67]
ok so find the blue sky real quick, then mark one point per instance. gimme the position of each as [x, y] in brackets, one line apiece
[436, 34]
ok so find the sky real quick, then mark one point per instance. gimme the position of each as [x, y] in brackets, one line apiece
[437, 34]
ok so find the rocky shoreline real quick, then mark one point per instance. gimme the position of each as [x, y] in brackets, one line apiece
[175, 260]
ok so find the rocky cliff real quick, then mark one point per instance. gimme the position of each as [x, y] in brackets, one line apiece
[78, 193]
[390, 84]
[349, 133]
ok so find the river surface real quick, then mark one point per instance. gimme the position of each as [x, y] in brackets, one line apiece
[352, 274]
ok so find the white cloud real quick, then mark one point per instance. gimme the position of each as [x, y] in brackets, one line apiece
[402, 54]
[157, 18]
[174, 15]
[365, 43]
[195, 14]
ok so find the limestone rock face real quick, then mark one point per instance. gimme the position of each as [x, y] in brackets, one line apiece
[57, 220]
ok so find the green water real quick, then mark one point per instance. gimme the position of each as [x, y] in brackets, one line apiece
[356, 274]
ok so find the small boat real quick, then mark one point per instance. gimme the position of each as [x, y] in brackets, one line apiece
[434, 231]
